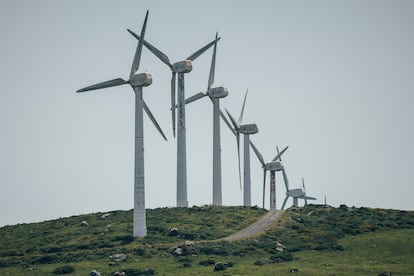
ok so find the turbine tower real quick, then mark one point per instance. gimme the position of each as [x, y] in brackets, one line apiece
[137, 82]
[214, 93]
[247, 130]
[180, 68]
[273, 166]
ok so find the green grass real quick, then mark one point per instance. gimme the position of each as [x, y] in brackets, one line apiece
[318, 240]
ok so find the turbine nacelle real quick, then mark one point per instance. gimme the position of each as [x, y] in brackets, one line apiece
[184, 66]
[295, 193]
[141, 80]
[274, 166]
[218, 92]
[248, 129]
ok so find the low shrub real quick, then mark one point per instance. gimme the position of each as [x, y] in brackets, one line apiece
[66, 269]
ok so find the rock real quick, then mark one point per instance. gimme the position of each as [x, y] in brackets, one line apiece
[178, 251]
[385, 274]
[294, 270]
[220, 266]
[173, 232]
[189, 245]
[280, 247]
[117, 273]
[112, 263]
[118, 257]
[187, 248]
[84, 223]
[94, 273]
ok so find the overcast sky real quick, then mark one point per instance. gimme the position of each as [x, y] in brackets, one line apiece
[332, 79]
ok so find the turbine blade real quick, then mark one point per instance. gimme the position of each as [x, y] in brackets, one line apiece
[284, 202]
[242, 110]
[213, 66]
[280, 154]
[264, 187]
[285, 179]
[173, 77]
[280, 158]
[137, 56]
[223, 117]
[258, 154]
[154, 121]
[105, 84]
[163, 57]
[202, 50]
[233, 121]
[303, 185]
[308, 197]
[195, 97]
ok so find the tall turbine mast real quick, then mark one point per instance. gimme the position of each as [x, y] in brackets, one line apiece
[137, 82]
[214, 94]
[179, 68]
[246, 130]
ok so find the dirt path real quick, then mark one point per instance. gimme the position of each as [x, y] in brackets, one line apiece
[256, 228]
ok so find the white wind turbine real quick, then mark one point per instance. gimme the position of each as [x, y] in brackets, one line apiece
[272, 166]
[294, 193]
[179, 68]
[247, 130]
[214, 93]
[137, 82]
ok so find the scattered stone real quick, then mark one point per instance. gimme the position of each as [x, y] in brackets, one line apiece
[118, 257]
[294, 270]
[280, 247]
[104, 216]
[178, 251]
[117, 273]
[173, 232]
[220, 266]
[189, 245]
[112, 263]
[94, 273]
[385, 274]
[84, 223]
[187, 248]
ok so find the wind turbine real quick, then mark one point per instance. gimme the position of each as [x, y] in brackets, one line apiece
[272, 166]
[214, 93]
[296, 194]
[179, 68]
[247, 130]
[137, 82]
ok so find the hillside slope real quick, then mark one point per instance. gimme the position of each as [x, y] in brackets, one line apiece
[189, 241]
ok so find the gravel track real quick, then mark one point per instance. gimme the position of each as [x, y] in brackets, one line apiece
[256, 228]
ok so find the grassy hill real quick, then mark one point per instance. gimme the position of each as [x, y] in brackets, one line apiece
[319, 240]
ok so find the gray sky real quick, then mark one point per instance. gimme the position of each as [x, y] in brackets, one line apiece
[331, 79]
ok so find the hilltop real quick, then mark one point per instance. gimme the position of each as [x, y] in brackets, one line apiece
[315, 240]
